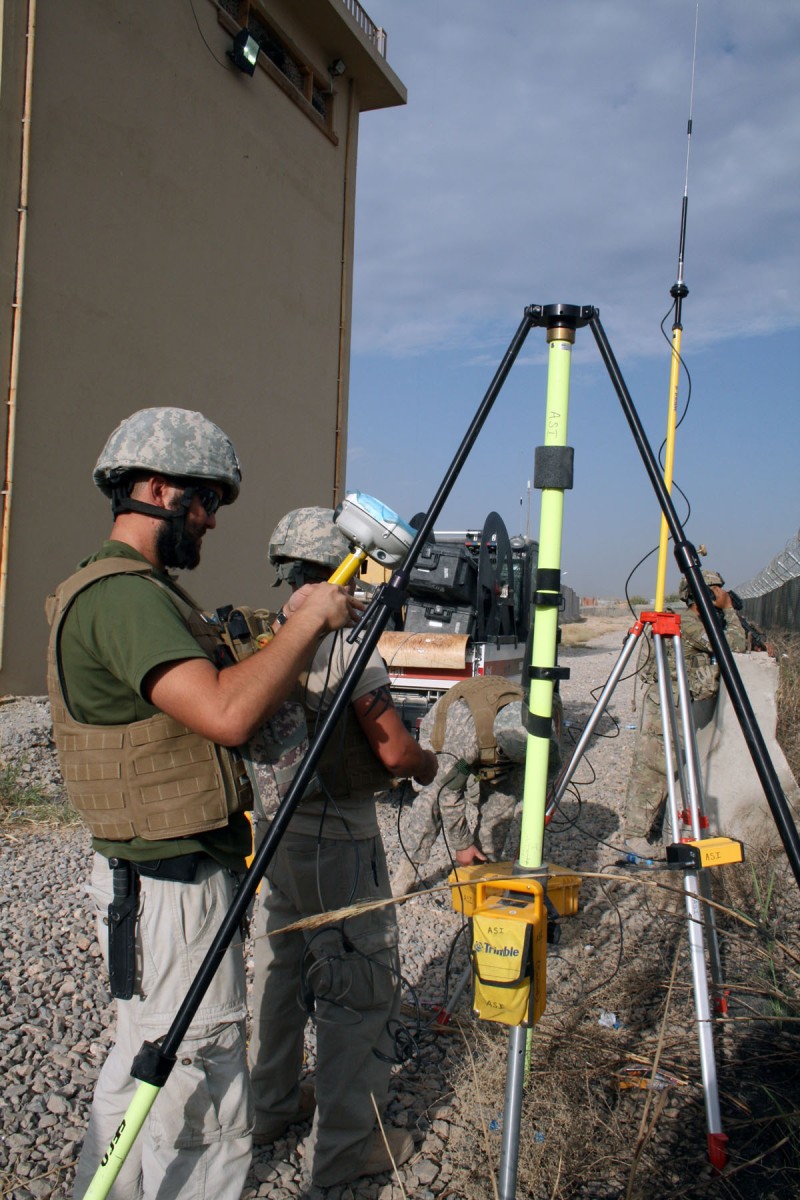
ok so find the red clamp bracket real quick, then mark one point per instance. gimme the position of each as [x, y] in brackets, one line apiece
[666, 624]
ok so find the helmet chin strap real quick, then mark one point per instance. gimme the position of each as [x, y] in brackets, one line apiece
[122, 502]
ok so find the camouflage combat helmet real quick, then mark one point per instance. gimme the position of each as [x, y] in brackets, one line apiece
[173, 442]
[306, 535]
[712, 578]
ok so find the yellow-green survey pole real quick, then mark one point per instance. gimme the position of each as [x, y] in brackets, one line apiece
[552, 476]
[121, 1143]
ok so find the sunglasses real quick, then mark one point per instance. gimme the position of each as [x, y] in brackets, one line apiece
[209, 499]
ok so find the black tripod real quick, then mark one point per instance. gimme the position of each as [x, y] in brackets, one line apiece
[154, 1063]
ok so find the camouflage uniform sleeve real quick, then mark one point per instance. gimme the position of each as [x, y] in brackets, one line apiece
[437, 803]
[453, 811]
[734, 631]
[702, 672]
[460, 745]
[693, 634]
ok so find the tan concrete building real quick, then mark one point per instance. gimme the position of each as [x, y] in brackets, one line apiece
[173, 231]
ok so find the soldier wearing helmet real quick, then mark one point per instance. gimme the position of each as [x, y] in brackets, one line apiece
[147, 725]
[645, 801]
[330, 857]
[306, 546]
[713, 579]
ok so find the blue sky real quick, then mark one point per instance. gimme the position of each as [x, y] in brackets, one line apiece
[542, 158]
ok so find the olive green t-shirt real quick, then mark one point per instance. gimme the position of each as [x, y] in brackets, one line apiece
[115, 633]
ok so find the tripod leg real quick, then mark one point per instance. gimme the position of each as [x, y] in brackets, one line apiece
[716, 1138]
[696, 821]
[512, 1112]
[680, 753]
[568, 771]
[444, 1014]
[696, 923]
[669, 728]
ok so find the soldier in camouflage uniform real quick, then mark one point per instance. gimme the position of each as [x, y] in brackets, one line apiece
[346, 975]
[645, 801]
[465, 782]
[146, 726]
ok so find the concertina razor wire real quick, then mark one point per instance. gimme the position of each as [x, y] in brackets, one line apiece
[784, 567]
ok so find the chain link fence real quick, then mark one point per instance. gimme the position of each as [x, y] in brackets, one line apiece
[772, 598]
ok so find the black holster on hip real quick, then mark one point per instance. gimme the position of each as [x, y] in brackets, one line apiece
[122, 929]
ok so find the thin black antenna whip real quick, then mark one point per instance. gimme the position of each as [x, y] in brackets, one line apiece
[678, 291]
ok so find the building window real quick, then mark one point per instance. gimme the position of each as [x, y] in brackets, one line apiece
[283, 61]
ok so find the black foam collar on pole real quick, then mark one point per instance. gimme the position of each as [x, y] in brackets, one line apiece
[689, 565]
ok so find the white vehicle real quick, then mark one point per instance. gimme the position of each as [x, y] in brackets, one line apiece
[468, 613]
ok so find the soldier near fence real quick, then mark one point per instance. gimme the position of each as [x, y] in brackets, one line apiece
[645, 801]
[479, 732]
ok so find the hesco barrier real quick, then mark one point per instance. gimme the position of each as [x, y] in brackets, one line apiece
[772, 598]
[572, 607]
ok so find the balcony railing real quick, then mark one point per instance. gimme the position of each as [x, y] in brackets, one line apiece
[375, 34]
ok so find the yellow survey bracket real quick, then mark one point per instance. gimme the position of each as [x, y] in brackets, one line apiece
[705, 852]
[468, 885]
[348, 567]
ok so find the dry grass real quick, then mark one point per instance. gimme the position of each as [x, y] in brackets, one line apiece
[577, 633]
[22, 803]
[583, 1134]
[787, 650]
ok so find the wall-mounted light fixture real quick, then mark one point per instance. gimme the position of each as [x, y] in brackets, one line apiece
[244, 52]
[337, 67]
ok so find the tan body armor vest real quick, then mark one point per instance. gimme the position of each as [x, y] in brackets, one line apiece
[154, 779]
[485, 695]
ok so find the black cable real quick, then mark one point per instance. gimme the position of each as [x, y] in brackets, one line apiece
[573, 822]
[621, 945]
[678, 423]
[442, 787]
[224, 66]
[685, 370]
[462, 929]
[404, 1038]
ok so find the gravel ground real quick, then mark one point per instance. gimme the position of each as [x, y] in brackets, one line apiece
[56, 1013]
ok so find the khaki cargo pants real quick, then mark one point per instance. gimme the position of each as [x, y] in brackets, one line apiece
[348, 973]
[196, 1141]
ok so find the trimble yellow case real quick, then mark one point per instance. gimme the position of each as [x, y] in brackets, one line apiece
[470, 886]
[464, 882]
[509, 937]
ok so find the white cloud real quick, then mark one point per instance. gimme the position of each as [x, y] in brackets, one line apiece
[542, 155]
